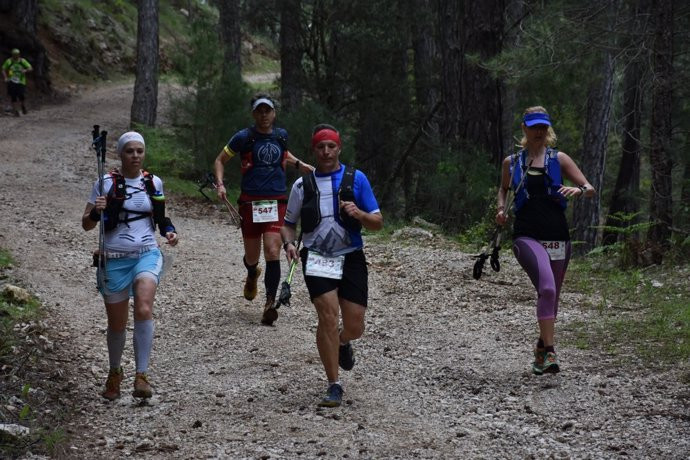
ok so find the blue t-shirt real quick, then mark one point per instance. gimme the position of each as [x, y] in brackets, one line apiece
[262, 167]
[330, 237]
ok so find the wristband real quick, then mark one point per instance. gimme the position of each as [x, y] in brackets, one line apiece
[94, 215]
[287, 243]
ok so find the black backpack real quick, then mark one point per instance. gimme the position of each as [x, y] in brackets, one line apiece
[116, 200]
[310, 213]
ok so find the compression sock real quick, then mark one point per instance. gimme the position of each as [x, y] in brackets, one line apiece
[143, 342]
[272, 278]
[251, 269]
[116, 344]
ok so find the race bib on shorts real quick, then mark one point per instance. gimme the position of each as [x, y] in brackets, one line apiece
[15, 79]
[324, 267]
[264, 211]
[555, 249]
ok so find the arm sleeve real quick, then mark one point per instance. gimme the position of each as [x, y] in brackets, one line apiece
[364, 195]
[294, 206]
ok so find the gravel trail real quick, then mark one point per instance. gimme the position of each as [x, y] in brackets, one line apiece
[442, 370]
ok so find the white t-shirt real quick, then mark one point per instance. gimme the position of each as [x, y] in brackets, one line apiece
[140, 233]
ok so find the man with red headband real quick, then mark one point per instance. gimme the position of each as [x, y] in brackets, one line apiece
[264, 156]
[333, 204]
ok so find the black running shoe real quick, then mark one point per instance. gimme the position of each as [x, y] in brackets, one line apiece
[346, 357]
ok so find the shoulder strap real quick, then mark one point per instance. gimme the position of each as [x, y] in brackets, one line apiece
[118, 189]
[348, 182]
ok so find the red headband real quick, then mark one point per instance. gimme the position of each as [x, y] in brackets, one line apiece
[325, 135]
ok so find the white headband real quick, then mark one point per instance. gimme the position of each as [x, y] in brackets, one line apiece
[130, 136]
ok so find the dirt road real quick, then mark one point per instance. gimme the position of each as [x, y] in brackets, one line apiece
[442, 370]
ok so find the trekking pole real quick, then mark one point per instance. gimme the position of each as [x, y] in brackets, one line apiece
[99, 144]
[495, 242]
[285, 294]
[234, 214]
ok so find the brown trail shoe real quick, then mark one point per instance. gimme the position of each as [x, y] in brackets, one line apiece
[270, 313]
[112, 385]
[142, 387]
[250, 289]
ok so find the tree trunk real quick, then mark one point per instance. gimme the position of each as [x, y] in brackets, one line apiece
[625, 199]
[472, 96]
[230, 35]
[595, 142]
[660, 203]
[291, 52]
[145, 101]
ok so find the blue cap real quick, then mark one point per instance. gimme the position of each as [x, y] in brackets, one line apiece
[536, 118]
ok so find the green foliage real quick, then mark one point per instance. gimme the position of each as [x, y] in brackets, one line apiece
[645, 309]
[455, 193]
[211, 106]
[5, 258]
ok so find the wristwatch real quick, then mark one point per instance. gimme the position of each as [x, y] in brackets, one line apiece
[583, 189]
[285, 245]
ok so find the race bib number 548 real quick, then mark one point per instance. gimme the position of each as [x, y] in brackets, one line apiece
[555, 249]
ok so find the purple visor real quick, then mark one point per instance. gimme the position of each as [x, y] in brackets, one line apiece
[536, 118]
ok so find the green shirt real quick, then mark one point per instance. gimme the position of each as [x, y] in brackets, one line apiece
[13, 69]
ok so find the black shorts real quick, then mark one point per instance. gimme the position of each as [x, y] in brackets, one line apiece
[16, 91]
[354, 285]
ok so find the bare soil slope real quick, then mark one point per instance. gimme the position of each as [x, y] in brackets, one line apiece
[442, 371]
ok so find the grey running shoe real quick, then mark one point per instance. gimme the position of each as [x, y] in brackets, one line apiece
[334, 396]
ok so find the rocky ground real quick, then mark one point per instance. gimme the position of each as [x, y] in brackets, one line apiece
[442, 370]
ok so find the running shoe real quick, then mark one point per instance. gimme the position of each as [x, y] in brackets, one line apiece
[112, 385]
[538, 364]
[270, 313]
[550, 363]
[334, 396]
[23, 109]
[250, 289]
[346, 357]
[142, 387]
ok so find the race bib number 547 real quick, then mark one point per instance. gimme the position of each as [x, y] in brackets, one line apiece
[264, 211]
[555, 249]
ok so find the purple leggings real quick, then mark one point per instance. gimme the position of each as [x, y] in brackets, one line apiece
[546, 275]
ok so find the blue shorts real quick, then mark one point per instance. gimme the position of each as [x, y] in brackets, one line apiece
[122, 272]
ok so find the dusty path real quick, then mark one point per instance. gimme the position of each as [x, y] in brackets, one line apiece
[442, 370]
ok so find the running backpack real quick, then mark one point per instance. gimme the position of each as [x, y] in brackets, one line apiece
[112, 216]
[248, 148]
[310, 213]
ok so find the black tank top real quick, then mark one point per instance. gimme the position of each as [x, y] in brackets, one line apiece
[541, 217]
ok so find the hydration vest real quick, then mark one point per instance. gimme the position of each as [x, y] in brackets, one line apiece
[112, 216]
[310, 213]
[247, 152]
[553, 179]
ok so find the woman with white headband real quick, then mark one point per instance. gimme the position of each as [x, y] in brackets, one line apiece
[132, 204]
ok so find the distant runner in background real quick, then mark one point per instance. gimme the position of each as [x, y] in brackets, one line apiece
[541, 241]
[264, 157]
[14, 71]
[133, 203]
[333, 204]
